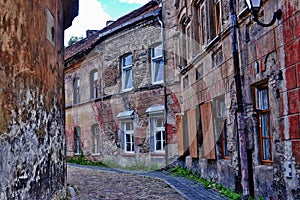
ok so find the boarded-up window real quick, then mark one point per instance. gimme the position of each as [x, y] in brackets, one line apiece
[207, 128]
[179, 134]
[192, 129]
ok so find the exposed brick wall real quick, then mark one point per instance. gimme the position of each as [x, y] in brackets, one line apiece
[138, 39]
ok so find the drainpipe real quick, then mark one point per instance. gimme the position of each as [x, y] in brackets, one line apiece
[239, 97]
[162, 26]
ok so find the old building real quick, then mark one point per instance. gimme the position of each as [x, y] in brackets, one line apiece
[260, 149]
[32, 138]
[120, 101]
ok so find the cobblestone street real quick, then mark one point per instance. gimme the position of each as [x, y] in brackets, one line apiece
[104, 183]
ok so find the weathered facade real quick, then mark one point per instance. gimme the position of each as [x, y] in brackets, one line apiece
[199, 43]
[117, 101]
[32, 137]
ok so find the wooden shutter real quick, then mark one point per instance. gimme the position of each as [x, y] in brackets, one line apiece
[179, 134]
[208, 133]
[192, 129]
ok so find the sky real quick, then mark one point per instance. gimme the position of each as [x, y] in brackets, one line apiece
[93, 15]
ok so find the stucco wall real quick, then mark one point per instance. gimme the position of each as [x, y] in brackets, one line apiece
[137, 39]
[32, 137]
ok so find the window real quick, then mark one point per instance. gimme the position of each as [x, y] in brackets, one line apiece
[76, 91]
[158, 133]
[157, 64]
[183, 41]
[207, 28]
[217, 6]
[220, 124]
[127, 72]
[128, 134]
[185, 81]
[77, 146]
[94, 84]
[225, 153]
[263, 110]
[203, 28]
[95, 131]
[199, 72]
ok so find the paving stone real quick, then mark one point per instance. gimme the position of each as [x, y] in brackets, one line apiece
[92, 182]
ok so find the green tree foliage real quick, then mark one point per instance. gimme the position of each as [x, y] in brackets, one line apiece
[74, 39]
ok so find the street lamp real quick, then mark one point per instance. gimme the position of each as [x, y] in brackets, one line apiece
[254, 6]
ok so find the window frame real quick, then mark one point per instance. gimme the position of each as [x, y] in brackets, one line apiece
[96, 138]
[225, 153]
[155, 130]
[260, 112]
[126, 68]
[218, 16]
[94, 84]
[76, 90]
[131, 136]
[154, 60]
[77, 143]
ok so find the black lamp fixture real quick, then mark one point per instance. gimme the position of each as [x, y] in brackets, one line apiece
[254, 6]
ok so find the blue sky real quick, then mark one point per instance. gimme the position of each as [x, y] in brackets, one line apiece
[93, 14]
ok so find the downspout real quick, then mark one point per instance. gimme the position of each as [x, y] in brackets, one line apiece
[239, 97]
[162, 26]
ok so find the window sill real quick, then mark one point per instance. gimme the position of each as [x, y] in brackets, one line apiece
[225, 157]
[127, 154]
[267, 162]
[158, 154]
[158, 82]
[126, 90]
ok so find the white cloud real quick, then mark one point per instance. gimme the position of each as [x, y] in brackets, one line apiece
[135, 1]
[91, 17]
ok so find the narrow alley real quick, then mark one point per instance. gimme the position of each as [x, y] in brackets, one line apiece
[91, 182]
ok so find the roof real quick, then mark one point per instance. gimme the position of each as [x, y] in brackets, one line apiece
[85, 45]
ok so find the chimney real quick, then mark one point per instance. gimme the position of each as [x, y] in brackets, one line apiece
[109, 22]
[90, 32]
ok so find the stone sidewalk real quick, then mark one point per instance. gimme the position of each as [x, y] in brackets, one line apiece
[91, 183]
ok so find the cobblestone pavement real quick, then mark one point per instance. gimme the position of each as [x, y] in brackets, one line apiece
[91, 183]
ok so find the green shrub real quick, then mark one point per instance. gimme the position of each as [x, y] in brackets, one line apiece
[178, 171]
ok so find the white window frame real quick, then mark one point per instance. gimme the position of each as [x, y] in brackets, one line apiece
[125, 70]
[129, 133]
[157, 60]
[156, 129]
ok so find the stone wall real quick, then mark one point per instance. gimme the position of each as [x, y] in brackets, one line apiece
[32, 143]
[269, 57]
[137, 39]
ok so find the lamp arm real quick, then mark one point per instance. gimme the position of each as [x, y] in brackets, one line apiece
[277, 15]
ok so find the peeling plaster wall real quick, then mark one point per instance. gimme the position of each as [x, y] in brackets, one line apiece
[268, 55]
[137, 39]
[31, 100]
